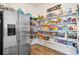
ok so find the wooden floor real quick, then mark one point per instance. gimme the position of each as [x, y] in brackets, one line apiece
[41, 50]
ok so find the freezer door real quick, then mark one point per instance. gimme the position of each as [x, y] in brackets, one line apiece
[24, 42]
[1, 32]
[10, 45]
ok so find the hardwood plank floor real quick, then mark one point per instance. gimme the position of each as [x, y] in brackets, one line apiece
[42, 50]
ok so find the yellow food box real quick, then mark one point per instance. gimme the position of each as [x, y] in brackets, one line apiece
[55, 28]
[45, 28]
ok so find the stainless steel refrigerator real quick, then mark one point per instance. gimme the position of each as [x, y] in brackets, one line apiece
[14, 33]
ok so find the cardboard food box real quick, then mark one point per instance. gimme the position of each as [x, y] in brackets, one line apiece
[42, 37]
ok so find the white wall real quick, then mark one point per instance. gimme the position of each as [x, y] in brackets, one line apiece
[39, 8]
[42, 9]
[26, 7]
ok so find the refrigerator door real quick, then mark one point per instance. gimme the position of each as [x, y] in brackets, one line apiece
[1, 32]
[24, 42]
[10, 45]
